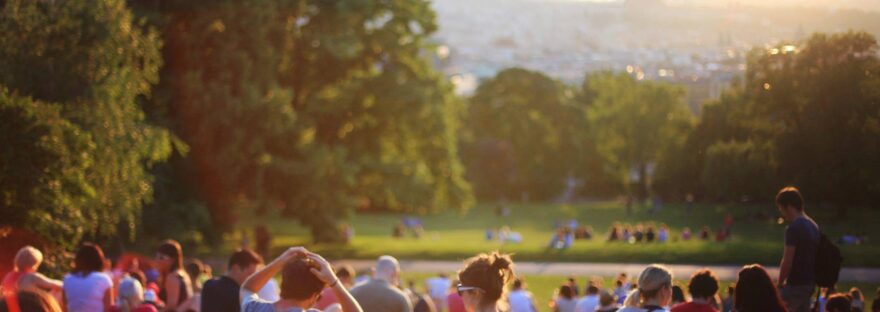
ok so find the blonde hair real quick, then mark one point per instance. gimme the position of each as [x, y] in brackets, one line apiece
[651, 281]
[28, 257]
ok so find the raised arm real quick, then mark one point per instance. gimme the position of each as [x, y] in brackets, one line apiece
[47, 283]
[326, 275]
[256, 281]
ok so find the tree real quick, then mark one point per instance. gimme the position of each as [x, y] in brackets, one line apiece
[313, 109]
[44, 167]
[522, 127]
[96, 63]
[634, 123]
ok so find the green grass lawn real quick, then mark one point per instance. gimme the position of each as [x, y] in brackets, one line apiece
[455, 236]
[543, 287]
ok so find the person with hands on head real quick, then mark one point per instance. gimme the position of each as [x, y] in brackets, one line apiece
[303, 276]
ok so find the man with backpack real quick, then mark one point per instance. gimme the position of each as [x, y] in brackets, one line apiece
[797, 272]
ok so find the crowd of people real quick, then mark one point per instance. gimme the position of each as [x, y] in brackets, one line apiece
[485, 282]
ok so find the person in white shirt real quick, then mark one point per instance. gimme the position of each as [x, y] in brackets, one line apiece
[520, 299]
[437, 287]
[590, 301]
[88, 288]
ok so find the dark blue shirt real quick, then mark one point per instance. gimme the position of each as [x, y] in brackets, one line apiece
[220, 294]
[803, 234]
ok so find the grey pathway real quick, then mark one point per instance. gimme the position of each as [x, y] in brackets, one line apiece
[680, 271]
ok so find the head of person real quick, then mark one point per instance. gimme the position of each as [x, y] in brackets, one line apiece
[566, 292]
[89, 258]
[346, 275]
[730, 290]
[856, 294]
[654, 286]
[592, 289]
[28, 259]
[703, 285]
[483, 280]
[31, 301]
[519, 283]
[755, 291]
[195, 269]
[243, 263]
[789, 202]
[387, 269]
[838, 303]
[606, 299]
[299, 284]
[677, 294]
[169, 256]
[131, 292]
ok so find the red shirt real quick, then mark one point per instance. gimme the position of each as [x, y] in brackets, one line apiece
[455, 303]
[693, 307]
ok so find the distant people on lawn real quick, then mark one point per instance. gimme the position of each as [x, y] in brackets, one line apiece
[565, 300]
[702, 287]
[483, 281]
[756, 292]
[304, 275]
[727, 303]
[520, 299]
[654, 291]
[220, 294]
[797, 278]
[175, 285]
[25, 276]
[87, 288]
[381, 293]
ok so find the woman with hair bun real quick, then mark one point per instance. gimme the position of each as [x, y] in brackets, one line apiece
[483, 281]
[653, 293]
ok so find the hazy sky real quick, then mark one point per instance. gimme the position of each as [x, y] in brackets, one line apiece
[869, 5]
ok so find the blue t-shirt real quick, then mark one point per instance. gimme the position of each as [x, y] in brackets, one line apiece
[803, 234]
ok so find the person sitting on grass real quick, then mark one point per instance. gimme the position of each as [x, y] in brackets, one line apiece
[565, 299]
[703, 286]
[303, 276]
[590, 301]
[677, 295]
[654, 291]
[483, 280]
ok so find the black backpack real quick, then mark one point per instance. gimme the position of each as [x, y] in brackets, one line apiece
[828, 261]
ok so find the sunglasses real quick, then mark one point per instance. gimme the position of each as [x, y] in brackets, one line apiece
[464, 289]
[160, 256]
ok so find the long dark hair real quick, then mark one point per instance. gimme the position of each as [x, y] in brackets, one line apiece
[566, 292]
[89, 258]
[755, 291]
[171, 248]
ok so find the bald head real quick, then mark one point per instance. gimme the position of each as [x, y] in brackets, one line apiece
[387, 268]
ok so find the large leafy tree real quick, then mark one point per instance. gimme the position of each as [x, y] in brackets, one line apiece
[312, 108]
[522, 128]
[634, 123]
[43, 175]
[96, 63]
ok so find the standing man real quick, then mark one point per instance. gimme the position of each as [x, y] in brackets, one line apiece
[797, 277]
[381, 293]
[220, 294]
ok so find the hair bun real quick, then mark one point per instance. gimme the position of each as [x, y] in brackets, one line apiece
[500, 262]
